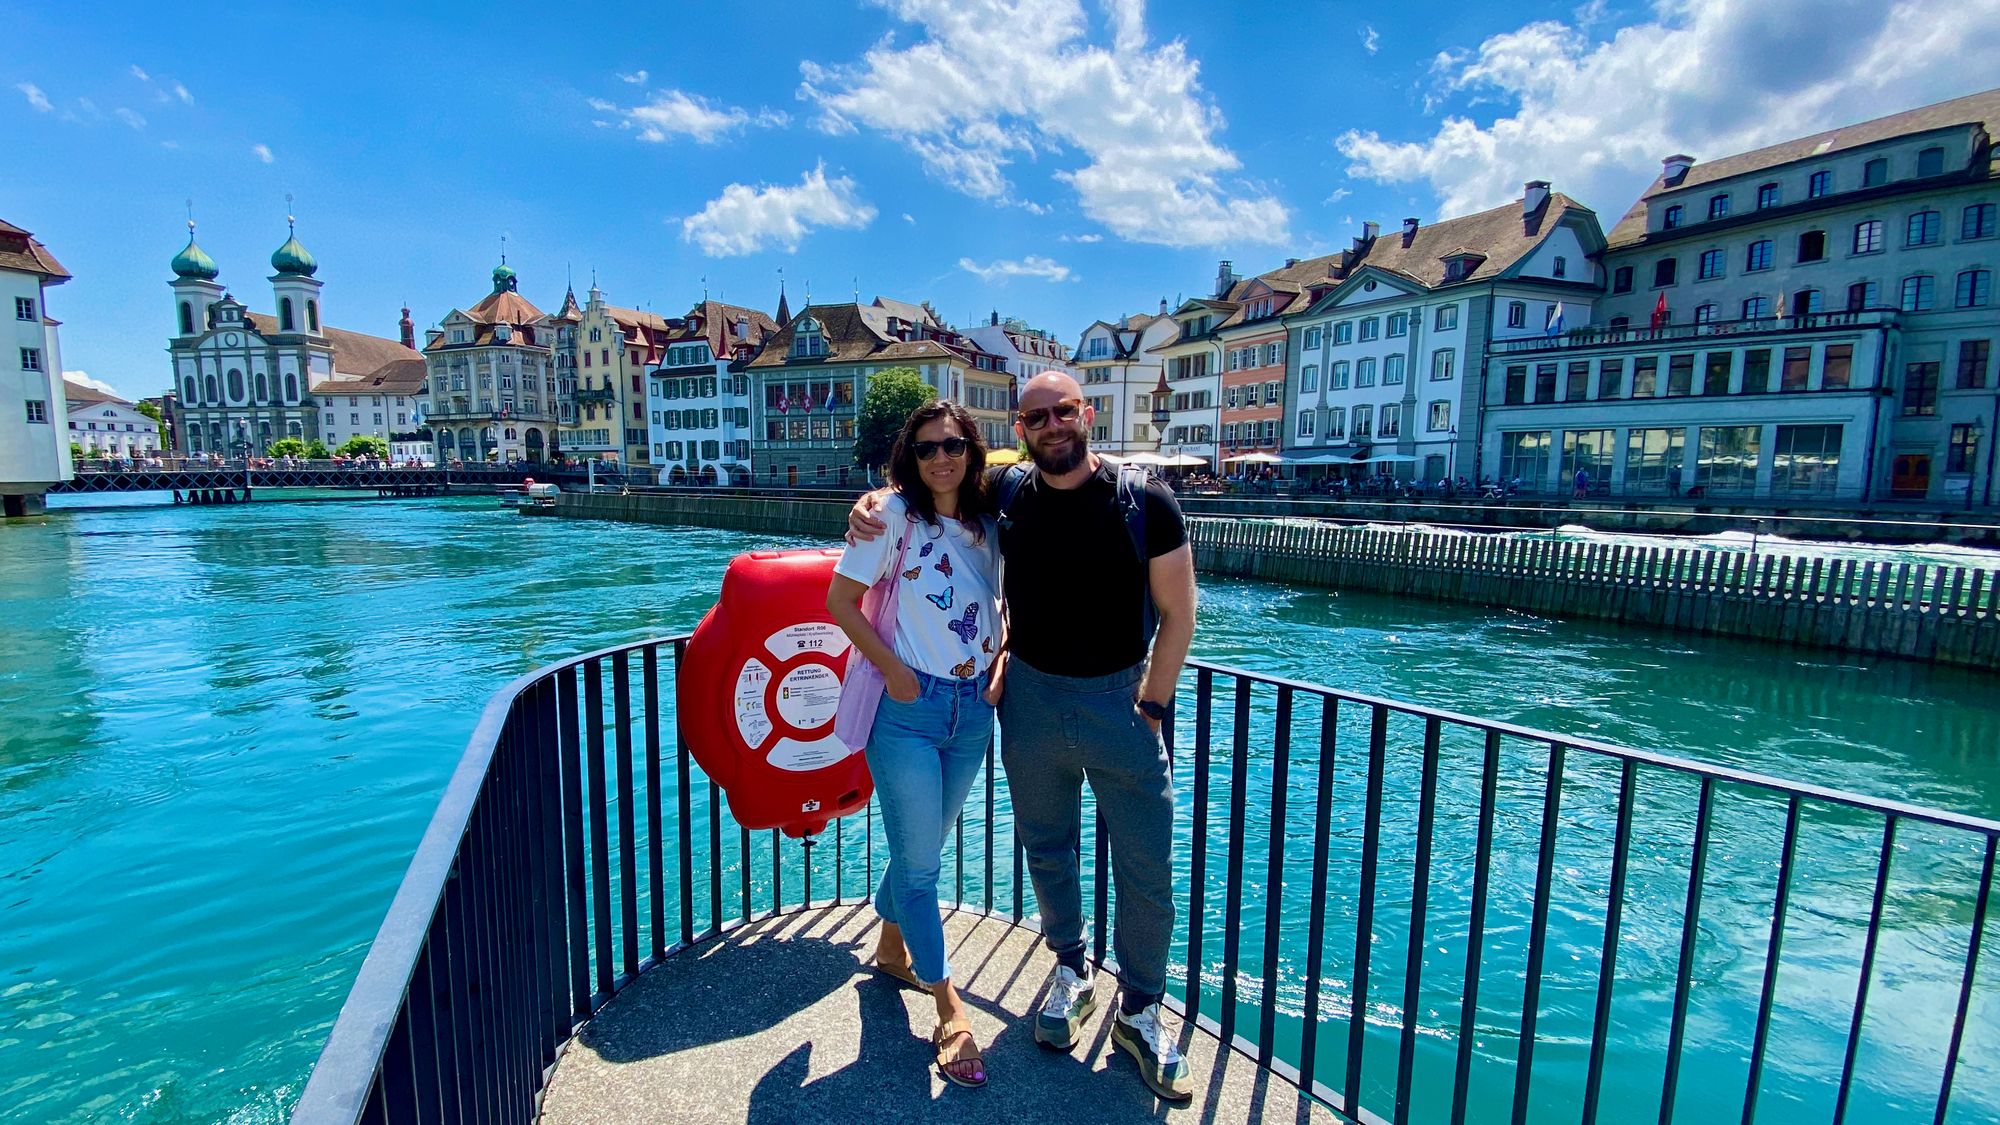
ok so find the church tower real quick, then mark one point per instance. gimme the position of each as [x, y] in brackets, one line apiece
[293, 285]
[195, 288]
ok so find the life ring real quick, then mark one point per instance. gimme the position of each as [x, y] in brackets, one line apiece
[758, 687]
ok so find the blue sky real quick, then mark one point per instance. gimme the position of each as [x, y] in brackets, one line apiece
[1056, 160]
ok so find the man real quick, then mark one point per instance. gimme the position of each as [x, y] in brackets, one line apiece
[1081, 699]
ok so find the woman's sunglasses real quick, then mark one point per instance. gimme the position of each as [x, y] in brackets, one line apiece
[1064, 411]
[953, 447]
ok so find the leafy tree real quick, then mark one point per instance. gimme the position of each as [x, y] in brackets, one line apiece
[892, 393]
[75, 452]
[287, 447]
[363, 445]
[316, 450]
[148, 409]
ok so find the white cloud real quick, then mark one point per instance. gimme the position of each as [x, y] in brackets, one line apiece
[744, 220]
[181, 92]
[1371, 40]
[129, 117]
[36, 98]
[82, 378]
[1030, 266]
[1339, 194]
[674, 113]
[995, 81]
[909, 218]
[1702, 76]
[140, 74]
[1082, 238]
[262, 152]
[636, 78]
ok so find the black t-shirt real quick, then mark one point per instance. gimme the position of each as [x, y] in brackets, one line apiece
[1075, 593]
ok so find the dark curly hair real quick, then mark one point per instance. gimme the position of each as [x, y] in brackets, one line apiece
[975, 500]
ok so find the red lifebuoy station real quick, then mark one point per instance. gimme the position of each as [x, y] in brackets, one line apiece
[758, 690]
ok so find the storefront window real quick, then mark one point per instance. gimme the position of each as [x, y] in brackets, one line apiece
[1591, 451]
[1651, 456]
[1727, 461]
[1524, 456]
[1806, 460]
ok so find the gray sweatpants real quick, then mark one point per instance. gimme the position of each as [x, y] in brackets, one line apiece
[1057, 731]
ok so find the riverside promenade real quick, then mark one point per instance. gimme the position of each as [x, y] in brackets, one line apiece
[1949, 615]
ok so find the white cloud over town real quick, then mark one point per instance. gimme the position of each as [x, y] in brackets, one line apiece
[262, 152]
[672, 114]
[1031, 266]
[994, 82]
[83, 379]
[745, 219]
[1595, 113]
[38, 100]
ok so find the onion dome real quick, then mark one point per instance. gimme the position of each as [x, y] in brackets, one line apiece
[191, 262]
[292, 258]
[503, 277]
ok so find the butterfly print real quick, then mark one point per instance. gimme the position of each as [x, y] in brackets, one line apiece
[986, 645]
[944, 565]
[926, 552]
[966, 627]
[942, 601]
[910, 575]
[963, 671]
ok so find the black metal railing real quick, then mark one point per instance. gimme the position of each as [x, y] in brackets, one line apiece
[1605, 336]
[1411, 914]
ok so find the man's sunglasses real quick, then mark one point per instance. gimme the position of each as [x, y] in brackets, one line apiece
[953, 447]
[1064, 411]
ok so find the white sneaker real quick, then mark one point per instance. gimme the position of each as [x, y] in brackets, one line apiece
[1071, 1001]
[1145, 1036]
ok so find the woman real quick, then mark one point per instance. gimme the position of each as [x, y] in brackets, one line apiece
[931, 733]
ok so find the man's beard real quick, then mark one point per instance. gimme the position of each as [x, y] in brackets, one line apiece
[1057, 464]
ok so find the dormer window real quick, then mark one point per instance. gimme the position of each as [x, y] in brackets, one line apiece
[1767, 196]
[808, 342]
[1673, 217]
[503, 332]
[458, 335]
[1875, 173]
[1718, 206]
[1930, 162]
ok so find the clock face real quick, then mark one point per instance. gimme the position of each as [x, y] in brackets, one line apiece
[230, 339]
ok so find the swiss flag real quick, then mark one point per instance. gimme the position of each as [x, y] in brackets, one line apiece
[1660, 311]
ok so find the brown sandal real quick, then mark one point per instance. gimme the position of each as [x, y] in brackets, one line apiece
[902, 974]
[947, 1057]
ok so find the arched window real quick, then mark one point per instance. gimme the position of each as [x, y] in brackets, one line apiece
[312, 316]
[235, 385]
[1925, 227]
[1806, 301]
[1812, 246]
[263, 388]
[294, 430]
[193, 393]
[291, 387]
[187, 319]
[284, 314]
[1704, 314]
[214, 396]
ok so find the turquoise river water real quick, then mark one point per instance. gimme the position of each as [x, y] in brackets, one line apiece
[222, 731]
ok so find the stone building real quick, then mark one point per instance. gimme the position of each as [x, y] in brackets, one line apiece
[698, 395]
[34, 420]
[1119, 369]
[490, 381]
[1813, 320]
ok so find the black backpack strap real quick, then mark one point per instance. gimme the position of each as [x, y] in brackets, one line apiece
[1011, 479]
[1132, 506]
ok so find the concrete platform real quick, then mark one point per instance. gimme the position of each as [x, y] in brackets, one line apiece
[784, 1022]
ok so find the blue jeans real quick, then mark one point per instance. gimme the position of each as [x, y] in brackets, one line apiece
[924, 755]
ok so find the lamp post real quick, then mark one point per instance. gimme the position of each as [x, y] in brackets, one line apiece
[1974, 431]
[1451, 455]
[1161, 394]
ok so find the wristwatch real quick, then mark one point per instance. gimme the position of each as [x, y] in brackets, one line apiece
[1154, 711]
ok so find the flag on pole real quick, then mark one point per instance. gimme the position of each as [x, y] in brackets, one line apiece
[829, 398]
[784, 404]
[1781, 306]
[1555, 324]
[1660, 311]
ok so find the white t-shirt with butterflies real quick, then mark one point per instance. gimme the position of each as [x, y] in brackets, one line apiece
[945, 607]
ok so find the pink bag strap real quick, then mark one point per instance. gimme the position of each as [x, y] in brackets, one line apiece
[885, 609]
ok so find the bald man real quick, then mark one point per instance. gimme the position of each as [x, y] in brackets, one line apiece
[1085, 678]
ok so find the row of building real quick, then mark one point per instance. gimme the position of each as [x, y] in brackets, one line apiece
[1814, 320]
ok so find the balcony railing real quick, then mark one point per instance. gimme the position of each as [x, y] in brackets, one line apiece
[1596, 337]
[1410, 914]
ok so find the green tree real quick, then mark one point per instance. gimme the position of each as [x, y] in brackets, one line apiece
[363, 445]
[317, 451]
[892, 393]
[148, 409]
[287, 447]
[75, 452]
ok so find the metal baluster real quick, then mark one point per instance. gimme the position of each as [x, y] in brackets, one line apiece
[1482, 877]
[573, 858]
[1965, 982]
[1690, 933]
[1413, 966]
[649, 667]
[1772, 952]
[1364, 906]
[1329, 726]
[600, 830]
[628, 867]
[1614, 917]
[1232, 905]
[1198, 862]
[1274, 875]
[1524, 1070]
[1867, 968]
